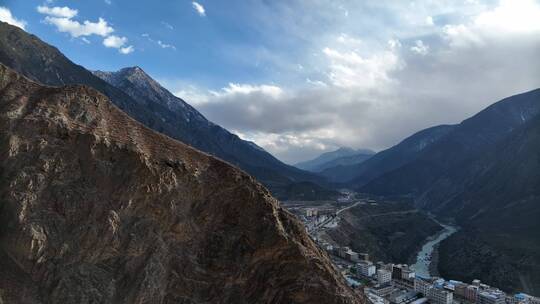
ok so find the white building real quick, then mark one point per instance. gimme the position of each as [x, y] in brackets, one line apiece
[440, 296]
[384, 276]
[311, 212]
[382, 290]
[366, 268]
[491, 297]
[421, 286]
[375, 299]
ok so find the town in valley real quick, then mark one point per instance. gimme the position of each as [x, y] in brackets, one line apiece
[389, 283]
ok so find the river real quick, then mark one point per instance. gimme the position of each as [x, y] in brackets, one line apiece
[423, 259]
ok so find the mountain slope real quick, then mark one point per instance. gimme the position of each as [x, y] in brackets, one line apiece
[411, 166]
[347, 160]
[202, 134]
[485, 175]
[325, 160]
[464, 142]
[387, 160]
[148, 103]
[497, 198]
[97, 208]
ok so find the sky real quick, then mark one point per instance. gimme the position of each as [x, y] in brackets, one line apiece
[303, 77]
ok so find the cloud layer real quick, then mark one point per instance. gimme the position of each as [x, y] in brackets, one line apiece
[63, 19]
[438, 63]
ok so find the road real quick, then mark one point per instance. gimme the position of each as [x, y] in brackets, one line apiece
[347, 208]
[389, 213]
[321, 225]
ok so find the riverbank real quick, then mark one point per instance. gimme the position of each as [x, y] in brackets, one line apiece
[427, 258]
[434, 265]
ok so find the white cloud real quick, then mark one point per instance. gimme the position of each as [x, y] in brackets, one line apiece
[394, 44]
[347, 39]
[517, 16]
[76, 29]
[114, 41]
[127, 50]
[160, 43]
[6, 16]
[165, 45]
[246, 89]
[429, 21]
[420, 48]
[316, 83]
[283, 142]
[461, 36]
[199, 8]
[62, 19]
[509, 18]
[118, 43]
[64, 12]
[370, 88]
[193, 95]
[350, 69]
[167, 25]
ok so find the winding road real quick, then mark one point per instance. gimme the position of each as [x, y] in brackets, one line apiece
[321, 225]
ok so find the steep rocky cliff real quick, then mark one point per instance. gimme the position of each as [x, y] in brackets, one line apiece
[96, 208]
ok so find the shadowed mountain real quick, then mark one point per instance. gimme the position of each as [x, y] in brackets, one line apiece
[497, 198]
[386, 160]
[341, 156]
[97, 208]
[464, 142]
[146, 101]
[347, 160]
[485, 175]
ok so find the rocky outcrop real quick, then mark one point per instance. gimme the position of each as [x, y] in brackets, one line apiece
[96, 208]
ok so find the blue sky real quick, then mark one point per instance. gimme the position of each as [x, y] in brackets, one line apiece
[301, 77]
[199, 44]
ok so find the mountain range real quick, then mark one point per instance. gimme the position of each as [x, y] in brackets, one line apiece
[341, 157]
[141, 97]
[469, 140]
[386, 160]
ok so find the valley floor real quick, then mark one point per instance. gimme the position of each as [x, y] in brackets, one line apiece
[361, 229]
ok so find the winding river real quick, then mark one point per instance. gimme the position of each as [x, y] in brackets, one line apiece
[423, 259]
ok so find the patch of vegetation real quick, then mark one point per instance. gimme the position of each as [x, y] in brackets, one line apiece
[388, 231]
